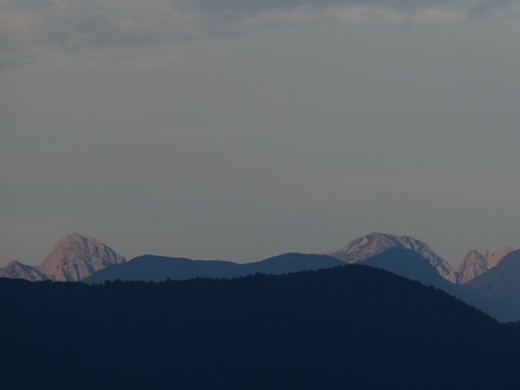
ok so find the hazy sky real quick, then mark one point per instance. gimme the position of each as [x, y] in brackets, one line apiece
[238, 130]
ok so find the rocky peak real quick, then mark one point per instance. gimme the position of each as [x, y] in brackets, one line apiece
[476, 263]
[75, 257]
[372, 244]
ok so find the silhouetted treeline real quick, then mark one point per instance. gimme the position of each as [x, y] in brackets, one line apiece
[350, 327]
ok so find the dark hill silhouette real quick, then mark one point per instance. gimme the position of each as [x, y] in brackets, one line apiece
[151, 268]
[349, 327]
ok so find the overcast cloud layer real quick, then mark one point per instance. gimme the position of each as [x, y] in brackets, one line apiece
[243, 129]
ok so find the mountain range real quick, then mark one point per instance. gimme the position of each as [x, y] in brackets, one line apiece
[72, 258]
[294, 321]
[485, 280]
[75, 258]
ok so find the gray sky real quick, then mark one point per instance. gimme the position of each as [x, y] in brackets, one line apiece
[239, 130]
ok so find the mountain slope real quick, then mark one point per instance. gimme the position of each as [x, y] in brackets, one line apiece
[17, 270]
[157, 268]
[475, 263]
[372, 244]
[409, 264]
[499, 288]
[76, 257]
[346, 327]
[291, 262]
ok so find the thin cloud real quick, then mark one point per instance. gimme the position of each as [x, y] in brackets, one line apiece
[253, 6]
[350, 14]
[28, 28]
[487, 6]
[33, 29]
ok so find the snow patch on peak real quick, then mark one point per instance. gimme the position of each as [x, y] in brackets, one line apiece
[375, 243]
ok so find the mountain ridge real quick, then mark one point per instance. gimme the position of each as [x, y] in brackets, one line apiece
[73, 258]
[375, 243]
[152, 268]
[76, 258]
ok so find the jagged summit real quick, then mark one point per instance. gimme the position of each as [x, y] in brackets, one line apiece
[72, 258]
[476, 263]
[75, 257]
[375, 243]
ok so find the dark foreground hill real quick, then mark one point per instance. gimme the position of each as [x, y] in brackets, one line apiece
[349, 327]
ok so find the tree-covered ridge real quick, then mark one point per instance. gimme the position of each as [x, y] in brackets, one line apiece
[339, 328]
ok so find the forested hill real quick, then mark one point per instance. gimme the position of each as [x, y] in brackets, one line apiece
[349, 327]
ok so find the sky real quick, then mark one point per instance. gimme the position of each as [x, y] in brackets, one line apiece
[239, 130]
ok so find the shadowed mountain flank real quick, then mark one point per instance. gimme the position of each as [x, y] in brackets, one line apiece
[411, 265]
[499, 288]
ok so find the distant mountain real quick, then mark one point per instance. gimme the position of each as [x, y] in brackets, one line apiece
[475, 264]
[372, 244]
[76, 257]
[158, 268]
[499, 288]
[352, 327]
[291, 262]
[17, 270]
[397, 259]
[73, 258]
[150, 268]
